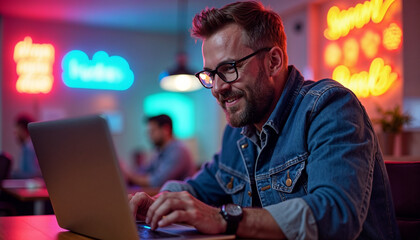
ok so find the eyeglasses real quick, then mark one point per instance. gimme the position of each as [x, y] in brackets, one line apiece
[227, 71]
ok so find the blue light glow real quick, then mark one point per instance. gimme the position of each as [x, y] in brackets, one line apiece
[178, 106]
[102, 72]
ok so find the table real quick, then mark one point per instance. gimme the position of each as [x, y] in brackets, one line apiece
[149, 190]
[28, 190]
[401, 158]
[42, 227]
[38, 193]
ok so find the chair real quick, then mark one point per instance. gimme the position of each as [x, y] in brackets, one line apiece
[404, 178]
[5, 166]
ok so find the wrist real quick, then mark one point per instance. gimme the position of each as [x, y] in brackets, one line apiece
[232, 214]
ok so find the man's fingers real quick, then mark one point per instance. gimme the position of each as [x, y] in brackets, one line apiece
[168, 205]
[174, 217]
[139, 204]
[158, 201]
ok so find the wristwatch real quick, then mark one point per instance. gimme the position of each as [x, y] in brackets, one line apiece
[232, 213]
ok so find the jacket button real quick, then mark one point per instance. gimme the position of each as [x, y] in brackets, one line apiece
[245, 145]
[288, 182]
[230, 184]
[250, 193]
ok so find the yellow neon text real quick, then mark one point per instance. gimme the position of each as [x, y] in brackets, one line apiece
[34, 66]
[340, 22]
[375, 82]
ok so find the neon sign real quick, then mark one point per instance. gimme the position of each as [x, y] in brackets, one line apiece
[351, 52]
[392, 37]
[370, 44]
[332, 54]
[348, 56]
[34, 63]
[340, 22]
[102, 72]
[375, 82]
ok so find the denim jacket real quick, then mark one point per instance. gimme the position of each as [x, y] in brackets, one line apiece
[319, 171]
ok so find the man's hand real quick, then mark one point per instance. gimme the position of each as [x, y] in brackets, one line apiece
[139, 204]
[181, 207]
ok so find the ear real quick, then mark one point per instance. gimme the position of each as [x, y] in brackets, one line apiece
[275, 61]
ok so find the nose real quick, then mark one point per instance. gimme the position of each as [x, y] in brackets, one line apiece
[219, 86]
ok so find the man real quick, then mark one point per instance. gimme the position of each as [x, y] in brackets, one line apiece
[300, 159]
[171, 161]
[27, 166]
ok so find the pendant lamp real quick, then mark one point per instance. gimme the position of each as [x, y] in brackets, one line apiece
[180, 79]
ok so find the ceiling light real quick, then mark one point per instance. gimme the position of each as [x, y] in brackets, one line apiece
[180, 79]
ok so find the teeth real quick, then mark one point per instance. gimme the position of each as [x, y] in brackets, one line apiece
[231, 100]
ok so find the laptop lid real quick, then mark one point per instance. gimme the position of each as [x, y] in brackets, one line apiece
[85, 184]
[81, 172]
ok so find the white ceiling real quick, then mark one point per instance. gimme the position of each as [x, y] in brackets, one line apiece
[140, 15]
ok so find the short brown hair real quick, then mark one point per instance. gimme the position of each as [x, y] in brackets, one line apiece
[161, 120]
[22, 121]
[263, 27]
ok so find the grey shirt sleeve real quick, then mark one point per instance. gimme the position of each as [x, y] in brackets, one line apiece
[295, 218]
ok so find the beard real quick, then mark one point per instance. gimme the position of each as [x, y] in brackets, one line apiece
[258, 100]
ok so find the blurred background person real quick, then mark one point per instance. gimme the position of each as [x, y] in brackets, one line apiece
[26, 165]
[171, 159]
[140, 160]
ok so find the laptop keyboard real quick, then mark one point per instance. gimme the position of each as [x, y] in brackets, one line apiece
[145, 232]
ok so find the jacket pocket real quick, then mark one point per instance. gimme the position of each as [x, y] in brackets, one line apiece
[229, 182]
[285, 177]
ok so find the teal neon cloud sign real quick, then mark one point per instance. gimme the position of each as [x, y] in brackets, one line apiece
[178, 106]
[102, 72]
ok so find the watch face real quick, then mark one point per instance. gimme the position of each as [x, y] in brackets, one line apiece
[233, 209]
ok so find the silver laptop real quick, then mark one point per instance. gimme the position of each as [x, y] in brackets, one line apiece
[85, 185]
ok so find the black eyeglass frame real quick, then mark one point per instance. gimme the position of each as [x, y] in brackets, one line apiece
[233, 63]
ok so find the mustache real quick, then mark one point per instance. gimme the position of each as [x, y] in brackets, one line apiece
[228, 95]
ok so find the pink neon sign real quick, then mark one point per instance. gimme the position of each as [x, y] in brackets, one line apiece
[34, 63]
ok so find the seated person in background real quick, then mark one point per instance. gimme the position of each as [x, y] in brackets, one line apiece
[140, 160]
[299, 159]
[27, 164]
[171, 159]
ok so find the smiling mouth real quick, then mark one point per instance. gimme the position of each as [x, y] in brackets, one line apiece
[230, 101]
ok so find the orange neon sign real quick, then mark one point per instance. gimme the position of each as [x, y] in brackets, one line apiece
[340, 22]
[375, 82]
[392, 37]
[34, 64]
[332, 54]
[370, 44]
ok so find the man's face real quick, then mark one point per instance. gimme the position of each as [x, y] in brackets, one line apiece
[21, 134]
[248, 99]
[156, 134]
